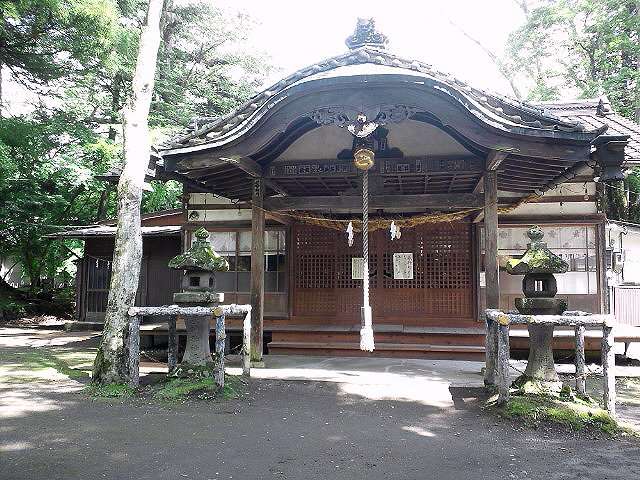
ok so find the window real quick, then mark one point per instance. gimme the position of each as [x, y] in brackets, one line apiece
[574, 243]
[236, 248]
[98, 278]
[274, 261]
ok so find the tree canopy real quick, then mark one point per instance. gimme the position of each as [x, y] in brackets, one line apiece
[578, 48]
[78, 57]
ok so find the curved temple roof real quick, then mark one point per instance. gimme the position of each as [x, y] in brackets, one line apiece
[536, 143]
[509, 114]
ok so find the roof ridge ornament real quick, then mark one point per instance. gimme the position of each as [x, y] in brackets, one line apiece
[366, 35]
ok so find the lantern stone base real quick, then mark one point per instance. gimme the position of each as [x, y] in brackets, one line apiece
[196, 298]
[541, 306]
[197, 350]
[540, 376]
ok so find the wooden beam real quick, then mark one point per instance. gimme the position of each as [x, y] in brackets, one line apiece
[491, 239]
[387, 166]
[352, 202]
[245, 164]
[479, 184]
[257, 269]
[494, 159]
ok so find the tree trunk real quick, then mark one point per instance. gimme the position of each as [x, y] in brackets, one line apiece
[540, 366]
[112, 361]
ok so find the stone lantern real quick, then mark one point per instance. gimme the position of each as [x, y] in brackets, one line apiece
[199, 264]
[539, 264]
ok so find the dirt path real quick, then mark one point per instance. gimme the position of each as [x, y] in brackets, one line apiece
[279, 430]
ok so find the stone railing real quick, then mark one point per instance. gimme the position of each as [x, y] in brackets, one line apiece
[498, 352]
[172, 312]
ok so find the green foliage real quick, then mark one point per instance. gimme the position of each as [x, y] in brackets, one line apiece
[163, 196]
[201, 69]
[588, 47]
[47, 167]
[45, 40]
[632, 184]
[84, 52]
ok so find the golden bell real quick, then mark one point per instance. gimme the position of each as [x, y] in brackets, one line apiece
[363, 158]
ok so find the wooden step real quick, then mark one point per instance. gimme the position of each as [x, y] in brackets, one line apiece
[407, 350]
[380, 337]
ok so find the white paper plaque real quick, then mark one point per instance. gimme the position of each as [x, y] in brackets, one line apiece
[357, 268]
[403, 266]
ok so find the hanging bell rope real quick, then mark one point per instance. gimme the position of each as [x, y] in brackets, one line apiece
[366, 327]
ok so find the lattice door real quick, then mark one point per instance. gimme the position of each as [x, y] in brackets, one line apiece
[442, 278]
[448, 270]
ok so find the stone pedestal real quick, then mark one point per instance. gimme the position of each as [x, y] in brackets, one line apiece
[197, 350]
[199, 264]
[539, 286]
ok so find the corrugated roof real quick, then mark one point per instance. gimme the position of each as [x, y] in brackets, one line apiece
[110, 231]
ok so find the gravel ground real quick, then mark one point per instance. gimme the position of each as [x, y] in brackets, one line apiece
[278, 430]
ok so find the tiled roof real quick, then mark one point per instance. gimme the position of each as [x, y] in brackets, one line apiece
[505, 111]
[595, 113]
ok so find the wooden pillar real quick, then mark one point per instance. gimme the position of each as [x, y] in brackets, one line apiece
[491, 239]
[581, 384]
[608, 367]
[603, 284]
[503, 361]
[172, 345]
[491, 271]
[257, 269]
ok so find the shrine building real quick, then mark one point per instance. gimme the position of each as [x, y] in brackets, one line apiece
[460, 172]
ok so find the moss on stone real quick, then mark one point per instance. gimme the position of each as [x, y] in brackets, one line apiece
[577, 414]
[538, 258]
[188, 370]
[200, 257]
[109, 390]
[183, 389]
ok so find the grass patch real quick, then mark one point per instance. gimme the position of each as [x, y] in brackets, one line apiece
[182, 389]
[577, 414]
[38, 361]
[111, 390]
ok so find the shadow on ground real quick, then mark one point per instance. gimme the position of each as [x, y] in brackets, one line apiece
[282, 429]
